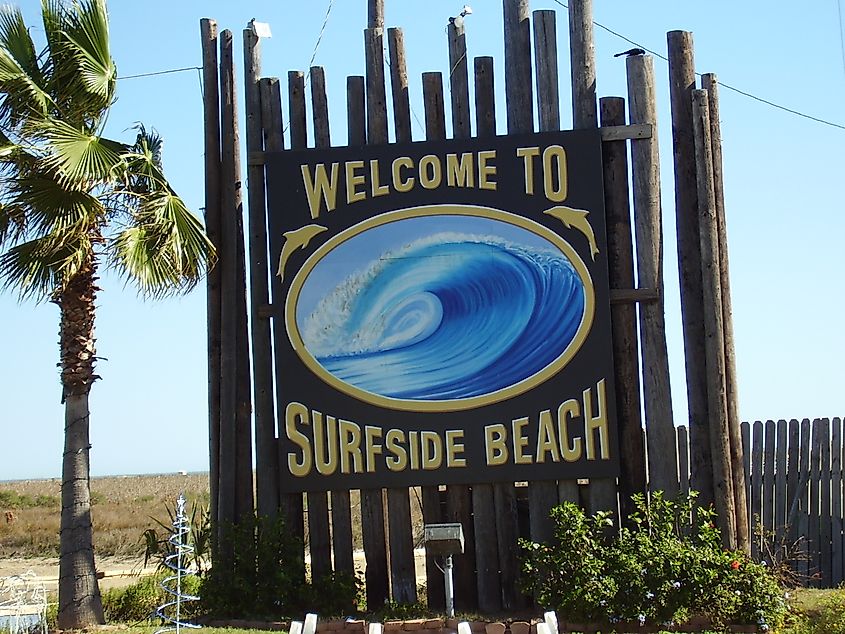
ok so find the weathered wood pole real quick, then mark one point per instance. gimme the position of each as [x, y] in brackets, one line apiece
[520, 119]
[435, 130]
[682, 83]
[319, 538]
[711, 84]
[375, 14]
[372, 501]
[620, 256]
[483, 502]
[290, 504]
[211, 120]
[543, 494]
[266, 450]
[458, 497]
[720, 446]
[582, 64]
[601, 494]
[403, 576]
[227, 492]
[648, 220]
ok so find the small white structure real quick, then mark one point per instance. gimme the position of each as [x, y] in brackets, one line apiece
[23, 604]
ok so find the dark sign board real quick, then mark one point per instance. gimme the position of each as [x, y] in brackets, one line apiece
[446, 314]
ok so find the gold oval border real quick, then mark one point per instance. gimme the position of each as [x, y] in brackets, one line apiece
[441, 405]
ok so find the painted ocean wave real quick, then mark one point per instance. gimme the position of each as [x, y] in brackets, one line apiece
[449, 316]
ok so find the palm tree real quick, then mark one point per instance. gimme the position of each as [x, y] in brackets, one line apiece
[72, 201]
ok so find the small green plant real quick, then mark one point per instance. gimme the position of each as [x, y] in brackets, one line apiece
[666, 566]
[13, 500]
[395, 611]
[157, 545]
[138, 602]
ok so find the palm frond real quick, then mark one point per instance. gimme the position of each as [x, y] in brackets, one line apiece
[79, 156]
[165, 250]
[12, 223]
[42, 267]
[87, 30]
[52, 208]
[21, 78]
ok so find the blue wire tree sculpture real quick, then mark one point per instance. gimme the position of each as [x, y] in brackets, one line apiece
[171, 611]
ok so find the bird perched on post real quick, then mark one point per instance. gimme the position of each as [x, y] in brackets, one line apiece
[631, 51]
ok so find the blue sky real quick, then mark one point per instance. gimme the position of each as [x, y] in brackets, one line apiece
[783, 178]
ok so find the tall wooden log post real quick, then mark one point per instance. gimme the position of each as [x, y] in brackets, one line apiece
[435, 130]
[211, 118]
[229, 208]
[483, 500]
[601, 494]
[290, 504]
[319, 538]
[657, 393]
[620, 255]
[372, 502]
[712, 318]
[458, 497]
[403, 577]
[711, 84]
[266, 452]
[682, 83]
[520, 117]
[543, 494]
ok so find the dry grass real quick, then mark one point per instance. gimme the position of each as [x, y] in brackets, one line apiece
[123, 507]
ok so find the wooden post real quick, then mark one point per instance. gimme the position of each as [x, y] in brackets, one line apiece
[435, 130]
[601, 494]
[712, 317]
[228, 312]
[403, 576]
[709, 82]
[648, 220]
[682, 83]
[399, 85]
[520, 100]
[319, 539]
[620, 255]
[375, 14]
[372, 501]
[543, 495]
[266, 452]
[458, 80]
[290, 504]
[520, 119]
[211, 119]
[483, 501]
[825, 554]
[583, 64]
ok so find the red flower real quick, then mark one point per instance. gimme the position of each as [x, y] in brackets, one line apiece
[734, 565]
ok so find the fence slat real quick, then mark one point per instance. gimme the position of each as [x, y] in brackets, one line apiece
[792, 479]
[780, 482]
[836, 502]
[768, 516]
[745, 430]
[814, 514]
[804, 498]
[756, 487]
[825, 554]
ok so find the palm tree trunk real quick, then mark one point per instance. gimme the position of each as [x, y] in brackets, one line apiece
[80, 604]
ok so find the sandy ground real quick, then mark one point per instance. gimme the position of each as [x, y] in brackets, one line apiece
[117, 572]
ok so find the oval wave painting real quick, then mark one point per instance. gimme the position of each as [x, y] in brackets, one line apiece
[429, 309]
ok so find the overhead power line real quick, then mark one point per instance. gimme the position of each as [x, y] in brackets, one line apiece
[162, 72]
[721, 83]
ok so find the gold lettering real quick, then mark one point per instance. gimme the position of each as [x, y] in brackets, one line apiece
[557, 155]
[432, 450]
[520, 442]
[320, 187]
[414, 449]
[453, 448]
[399, 184]
[350, 447]
[495, 437]
[375, 180]
[430, 163]
[565, 413]
[353, 179]
[297, 413]
[459, 172]
[546, 440]
[597, 422]
[372, 433]
[392, 442]
[325, 443]
[528, 154]
[485, 171]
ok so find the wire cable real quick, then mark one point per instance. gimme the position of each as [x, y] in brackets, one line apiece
[721, 83]
[162, 72]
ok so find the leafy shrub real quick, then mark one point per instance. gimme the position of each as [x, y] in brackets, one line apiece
[666, 567]
[13, 500]
[138, 602]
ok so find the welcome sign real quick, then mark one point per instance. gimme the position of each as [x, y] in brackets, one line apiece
[446, 313]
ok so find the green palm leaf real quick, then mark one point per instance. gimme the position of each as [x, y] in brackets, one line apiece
[87, 30]
[81, 157]
[40, 267]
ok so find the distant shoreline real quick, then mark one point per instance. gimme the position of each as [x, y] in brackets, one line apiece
[105, 477]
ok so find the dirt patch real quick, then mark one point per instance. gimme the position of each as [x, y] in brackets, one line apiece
[116, 572]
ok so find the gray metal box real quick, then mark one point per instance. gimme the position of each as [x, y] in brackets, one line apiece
[444, 539]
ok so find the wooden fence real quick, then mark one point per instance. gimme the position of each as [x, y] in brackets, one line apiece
[795, 492]
[493, 515]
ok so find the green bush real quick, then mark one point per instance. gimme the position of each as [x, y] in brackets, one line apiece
[138, 602]
[667, 566]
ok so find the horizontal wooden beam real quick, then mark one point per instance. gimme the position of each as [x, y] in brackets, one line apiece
[633, 295]
[623, 132]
